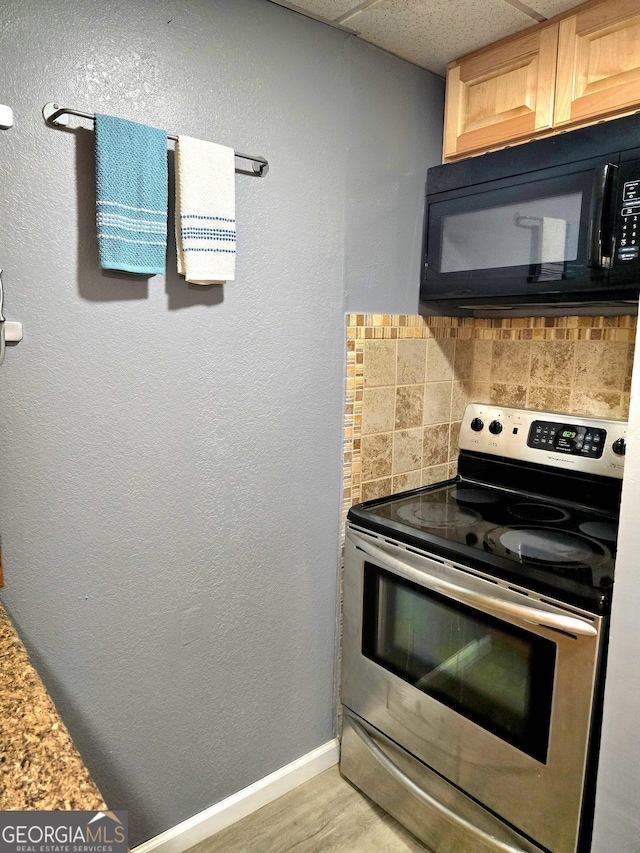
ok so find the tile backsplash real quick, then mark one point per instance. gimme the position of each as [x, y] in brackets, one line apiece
[409, 379]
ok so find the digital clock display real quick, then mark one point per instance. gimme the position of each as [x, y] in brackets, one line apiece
[586, 442]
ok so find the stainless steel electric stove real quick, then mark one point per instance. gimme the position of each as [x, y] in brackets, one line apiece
[475, 625]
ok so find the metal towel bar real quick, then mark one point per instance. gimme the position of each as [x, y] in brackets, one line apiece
[57, 116]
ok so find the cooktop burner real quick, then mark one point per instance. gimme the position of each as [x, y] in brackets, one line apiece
[541, 513]
[606, 530]
[548, 547]
[441, 515]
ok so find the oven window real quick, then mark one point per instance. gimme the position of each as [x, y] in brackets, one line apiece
[495, 674]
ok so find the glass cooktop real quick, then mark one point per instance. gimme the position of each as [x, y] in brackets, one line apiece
[552, 546]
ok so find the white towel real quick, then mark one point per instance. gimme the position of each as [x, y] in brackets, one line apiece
[553, 240]
[205, 211]
[553, 251]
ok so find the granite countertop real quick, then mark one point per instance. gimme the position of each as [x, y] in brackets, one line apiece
[40, 768]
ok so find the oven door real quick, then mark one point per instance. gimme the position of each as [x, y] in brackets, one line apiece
[490, 687]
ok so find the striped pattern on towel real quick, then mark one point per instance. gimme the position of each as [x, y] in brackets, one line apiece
[131, 196]
[205, 211]
[200, 235]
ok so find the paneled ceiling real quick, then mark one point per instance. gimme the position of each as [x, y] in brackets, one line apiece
[431, 33]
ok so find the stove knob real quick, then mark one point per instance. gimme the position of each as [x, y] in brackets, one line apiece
[619, 446]
[477, 424]
[495, 427]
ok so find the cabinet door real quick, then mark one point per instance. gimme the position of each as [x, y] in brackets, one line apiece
[501, 94]
[599, 62]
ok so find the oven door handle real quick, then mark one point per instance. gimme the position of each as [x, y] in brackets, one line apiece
[401, 777]
[527, 612]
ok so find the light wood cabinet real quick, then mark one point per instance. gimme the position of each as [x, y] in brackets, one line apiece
[572, 71]
[598, 62]
[501, 94]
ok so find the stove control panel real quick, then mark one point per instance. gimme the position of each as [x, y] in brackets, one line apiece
[590, 445]
[568, 438]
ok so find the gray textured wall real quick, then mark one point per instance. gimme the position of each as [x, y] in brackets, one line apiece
[171, 456]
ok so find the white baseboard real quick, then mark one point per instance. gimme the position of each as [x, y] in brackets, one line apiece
[195, 829]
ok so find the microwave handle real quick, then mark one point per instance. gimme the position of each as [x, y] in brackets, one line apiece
[598, 256]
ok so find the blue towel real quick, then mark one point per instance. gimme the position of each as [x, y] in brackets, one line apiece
[131, 195]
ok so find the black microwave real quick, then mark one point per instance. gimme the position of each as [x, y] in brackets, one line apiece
[546, 227]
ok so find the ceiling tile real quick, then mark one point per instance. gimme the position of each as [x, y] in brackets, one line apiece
[429, 35]
[329, 9]
[549, 8]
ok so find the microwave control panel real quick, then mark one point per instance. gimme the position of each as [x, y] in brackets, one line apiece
[627, 237]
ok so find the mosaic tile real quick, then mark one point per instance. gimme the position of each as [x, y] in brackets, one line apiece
[516, 361]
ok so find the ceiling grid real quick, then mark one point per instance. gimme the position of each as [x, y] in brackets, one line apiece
[431, 33]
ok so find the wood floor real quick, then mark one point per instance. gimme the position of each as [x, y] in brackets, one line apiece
[325, 815]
